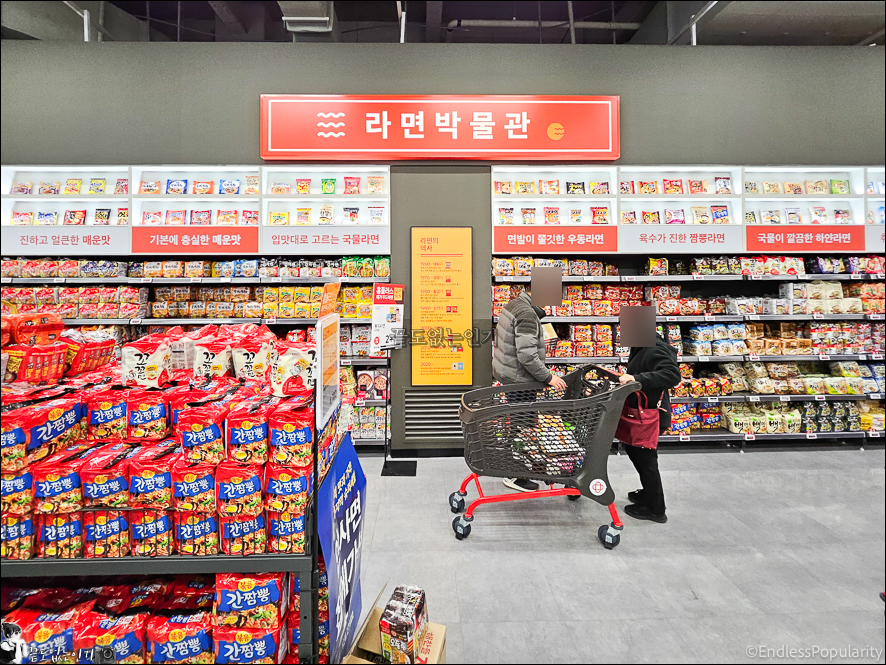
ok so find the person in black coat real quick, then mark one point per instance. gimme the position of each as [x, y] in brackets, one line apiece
[656, 369]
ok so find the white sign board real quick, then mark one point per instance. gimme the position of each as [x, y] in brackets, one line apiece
[387, 317]
[680, 238]
[875, 238]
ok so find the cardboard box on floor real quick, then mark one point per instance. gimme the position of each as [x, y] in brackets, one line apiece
[367, 646]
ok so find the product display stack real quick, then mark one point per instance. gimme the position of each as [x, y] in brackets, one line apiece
[159, 413]
[772, 345]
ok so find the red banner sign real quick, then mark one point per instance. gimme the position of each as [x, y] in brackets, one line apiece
[195, 240]
[815, 238]
[568, 239]
[391, 127]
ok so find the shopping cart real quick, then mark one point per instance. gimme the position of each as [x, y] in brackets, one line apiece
[529, 430]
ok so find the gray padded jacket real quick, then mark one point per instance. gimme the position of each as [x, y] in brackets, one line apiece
[519, 344]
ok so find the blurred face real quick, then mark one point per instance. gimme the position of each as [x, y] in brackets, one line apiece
[546, 286]
[637, 326]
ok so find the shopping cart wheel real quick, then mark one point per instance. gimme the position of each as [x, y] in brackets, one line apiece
[609, 536]
[573, 497]
[462, 528]
[457, 502]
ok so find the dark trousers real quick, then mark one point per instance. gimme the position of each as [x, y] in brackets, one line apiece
[645, 460]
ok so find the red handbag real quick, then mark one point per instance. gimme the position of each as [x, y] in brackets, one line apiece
[639, 426]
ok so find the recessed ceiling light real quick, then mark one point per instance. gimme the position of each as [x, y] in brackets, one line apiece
[784, 33]
[744, 32]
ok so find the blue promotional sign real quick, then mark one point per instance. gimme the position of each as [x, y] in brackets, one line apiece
[341, 504]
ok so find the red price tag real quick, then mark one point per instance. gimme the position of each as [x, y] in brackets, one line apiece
[345, 361]
[874, 433]
[817, 315]
[823, 356]
[147, 280]
[135, 322]
[750, 437]
[360, 402]
[754, 356]
[670, 318]
[196, 279]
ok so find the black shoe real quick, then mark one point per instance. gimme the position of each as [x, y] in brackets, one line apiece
[640, 512]
[520, 484]
[636, 497]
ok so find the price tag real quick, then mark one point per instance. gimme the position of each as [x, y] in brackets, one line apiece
[276, 279]
[756, 276]
[147, 280]
[680, 358]
[874, 433]
[5, 280]
[817, 315]
[713, 400]
[823, 356]
[135, 322]
[670, 318]
[58, 280]
[750, 437]
[811, 435]
[876, 356]
[856, 275]
[820, 398]
[880, 275]
[704, 359]
[876, 395]
[196, 280]
[630, 278]
[684, 437]
[875, 317]
[345, 361]
[753, 317]
[696, 276]
[507, 279]
[224, 279]
[710, 317]
[784, 398]
[753, 398]
[271, 321]
[359, 402]
[753, 356]
[862, 356]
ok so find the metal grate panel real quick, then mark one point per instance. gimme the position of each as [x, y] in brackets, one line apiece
[431, 416]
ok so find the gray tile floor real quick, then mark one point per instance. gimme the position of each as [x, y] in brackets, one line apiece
[761, 549]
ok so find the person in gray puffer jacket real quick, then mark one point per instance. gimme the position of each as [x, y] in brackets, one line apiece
[519, 356]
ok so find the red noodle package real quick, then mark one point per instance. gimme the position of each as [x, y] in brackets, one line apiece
[242, 534]
[180, 639]
[124, 634]
[59, 536]
[16, 492]
[288, 489]
[196, 533]
[286, 532]
[105, 476]
[251, 645]
[49, 636]
[107, 533]
[291, 432]
[152, 532]
[150, 478]
[238, 489]
[147, 411]
[57, 486]
[250, 601]
[191, 593]
[200, 430]
[247, 431]
[179, 398]
[194, 487]
[16, 537]
[107, 415]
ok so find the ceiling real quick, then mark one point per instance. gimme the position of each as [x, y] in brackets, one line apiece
[723, 23]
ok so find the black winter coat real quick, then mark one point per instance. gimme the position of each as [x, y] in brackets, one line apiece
[655, 367]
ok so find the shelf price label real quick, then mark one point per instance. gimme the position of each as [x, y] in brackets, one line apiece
[360, 402]
[753, 317]
[5, 280]
[710, 317]
[147, 280]
[697, 276]
[811, 435]
[750, 437]
[755, 276]
[820, 398]
[630, 278]
[856, 275]
[345, 361]
[196, 280]
[671, 318]
[507, 278]
[135, 322]
[817, 315]
[753, 356]
[271, 321]
[753, 398]
[823, 356]
[713, 400]
[784, 398]
[876, 395]
[874, 433]
[685, 437]
[875, 317]
[704, 359]
[58, 280]
[276, 279]
[876, 356]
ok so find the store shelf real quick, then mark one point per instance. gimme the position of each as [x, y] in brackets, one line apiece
[38, 198]
[713, 437]
[343, 321]
[574, 319]
[360, 361]
[709, 437]
[843, 276]
[370, 402]
[88, 280]
[325, 197]
[709, 359]
[165, 565]
[777, 398]
[324, 280]
[195, 197]
[95, 322]
[766, 359]
[290, 321]
[709, 318]
[370, 442]
[709, 198]
[567, 279]
[185, 322]
[164, 281]
[585, 360]
[804, 197]
[804, 317]
[708, 400]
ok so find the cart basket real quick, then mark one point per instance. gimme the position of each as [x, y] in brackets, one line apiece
[529, 430]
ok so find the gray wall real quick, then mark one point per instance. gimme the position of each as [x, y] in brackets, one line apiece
[190, 102]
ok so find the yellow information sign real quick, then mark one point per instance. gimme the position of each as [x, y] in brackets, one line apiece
[441, 306]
